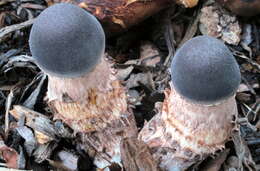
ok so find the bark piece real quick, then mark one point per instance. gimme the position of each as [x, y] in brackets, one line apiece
[41, 124]
[136, 156]
[119, 15]
[242, 150]
[242, 7]
[44, 151]
[28, 136]
[219, 23]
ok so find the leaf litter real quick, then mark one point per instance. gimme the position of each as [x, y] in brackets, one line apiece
[30, 140]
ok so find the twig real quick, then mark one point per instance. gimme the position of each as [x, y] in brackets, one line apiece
[257, 110]
[9, 29]
[256, 34]
[242, 56]
[7, 109]
[251, 89]
[169, 37]
[249, 109]
[191, 30]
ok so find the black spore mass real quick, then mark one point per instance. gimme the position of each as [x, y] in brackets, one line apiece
[205, 71]
[66, 41]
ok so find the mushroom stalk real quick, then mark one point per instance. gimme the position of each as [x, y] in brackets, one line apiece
[119, 15]
[185, 132]
[197, 115]
[68, 44]
[99, 78]
[95, 106]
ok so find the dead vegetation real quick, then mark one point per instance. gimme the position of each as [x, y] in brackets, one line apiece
[32, 140]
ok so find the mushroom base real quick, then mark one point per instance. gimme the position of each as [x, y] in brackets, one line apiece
[95, 106]
[184, 132]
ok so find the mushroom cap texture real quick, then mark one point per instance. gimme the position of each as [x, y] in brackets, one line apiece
[204, 70]
[66, 41]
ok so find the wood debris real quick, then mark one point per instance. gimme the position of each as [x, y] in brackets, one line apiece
[31, 138]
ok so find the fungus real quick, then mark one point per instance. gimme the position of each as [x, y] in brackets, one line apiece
[205, 71]
[67, 41]
[197, 113]
[68, 44]
[242, 7]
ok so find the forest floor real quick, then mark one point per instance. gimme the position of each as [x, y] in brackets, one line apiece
[142, 56]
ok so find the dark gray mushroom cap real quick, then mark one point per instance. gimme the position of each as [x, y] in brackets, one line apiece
[205, 71]
[66, 41]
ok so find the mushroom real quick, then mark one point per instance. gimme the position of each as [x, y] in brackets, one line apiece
[198, 111]
[242, 7]
[68, 45]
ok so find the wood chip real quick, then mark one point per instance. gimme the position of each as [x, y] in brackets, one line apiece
[41, 124]
[136, 156]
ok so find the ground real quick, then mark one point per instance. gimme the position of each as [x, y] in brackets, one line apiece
[142, 56]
